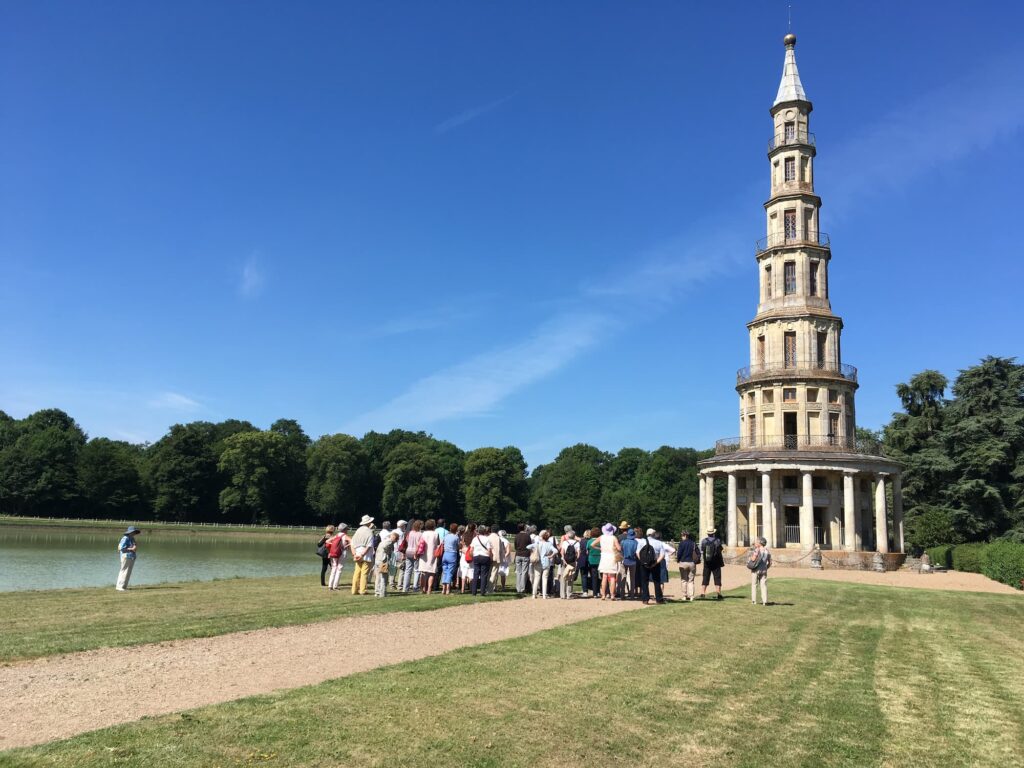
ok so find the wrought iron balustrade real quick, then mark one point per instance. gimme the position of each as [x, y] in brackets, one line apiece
[797, 369]
[783, 140]
[840, 443]
[799, 237]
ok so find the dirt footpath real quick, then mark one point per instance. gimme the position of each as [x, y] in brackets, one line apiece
[60, 696]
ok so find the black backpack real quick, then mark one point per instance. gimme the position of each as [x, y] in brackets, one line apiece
[570, 554]
[646, 556]
[712, 549]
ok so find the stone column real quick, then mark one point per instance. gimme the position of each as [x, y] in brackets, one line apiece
[835, 514]
[731, 532]
[702, 504]
[752, 508]
[881, 524]
[807, 513]
[766, 507]
[849, 512]
[897, 511]
[709, 521]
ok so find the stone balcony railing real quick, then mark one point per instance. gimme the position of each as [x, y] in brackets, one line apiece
[797, 370]
[800, 237]
[843, 444]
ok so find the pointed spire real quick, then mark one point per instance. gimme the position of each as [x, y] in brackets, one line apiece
[790, 89]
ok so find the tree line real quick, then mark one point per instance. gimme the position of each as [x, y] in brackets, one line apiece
[963, 478]
[232, 471]
[963, 456]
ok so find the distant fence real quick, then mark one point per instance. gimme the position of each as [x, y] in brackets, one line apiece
[163, 523]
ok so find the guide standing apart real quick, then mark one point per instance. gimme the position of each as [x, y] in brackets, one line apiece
[126, 548]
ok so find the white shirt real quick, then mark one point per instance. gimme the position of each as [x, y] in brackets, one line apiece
[660, 550]
[481, 547]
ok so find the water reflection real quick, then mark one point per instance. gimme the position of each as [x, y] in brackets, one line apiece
[54, 557]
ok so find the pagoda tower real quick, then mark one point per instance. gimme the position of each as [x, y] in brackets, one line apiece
[796, 474]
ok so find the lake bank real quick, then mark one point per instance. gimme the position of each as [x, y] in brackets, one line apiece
[156, 525]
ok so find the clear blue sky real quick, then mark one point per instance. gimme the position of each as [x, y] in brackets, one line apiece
[504, 223]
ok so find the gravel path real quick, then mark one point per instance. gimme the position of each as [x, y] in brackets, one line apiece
[60, 696]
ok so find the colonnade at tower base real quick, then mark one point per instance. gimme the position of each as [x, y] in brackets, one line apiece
[816, 509]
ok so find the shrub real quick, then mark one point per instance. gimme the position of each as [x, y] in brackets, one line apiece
[942, 557]
[1004, 561]
[929, 526]
[969, 557]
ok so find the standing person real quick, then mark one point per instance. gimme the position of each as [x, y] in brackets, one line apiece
[609, 556]
[466, 550]
[126, 549]
[570, 549]
[321, 549]
[337, 548]
[540, 563]
[449, 559]
[427, 547]
[361, 547]
[759, 561]
[497, 552]
[687, 557]
[506, 558]
[594, 561]
[664, 563]
[382, 560]
[481, 559]
[412, 542]
[629, 588]
[650, 553]
[398, 555]
[711, 552]
[521, 546]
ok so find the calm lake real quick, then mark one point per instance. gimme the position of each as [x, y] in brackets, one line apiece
[54, 557]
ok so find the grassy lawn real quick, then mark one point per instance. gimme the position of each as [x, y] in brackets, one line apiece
[58, 621]
[839, 675]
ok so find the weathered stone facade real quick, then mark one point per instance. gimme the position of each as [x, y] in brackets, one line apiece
[796, 474]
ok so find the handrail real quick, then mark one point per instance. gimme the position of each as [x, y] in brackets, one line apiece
[796, 369]
[846, 443]
[782, 140]
[800, 237]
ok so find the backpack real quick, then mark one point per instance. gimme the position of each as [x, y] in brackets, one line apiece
[570, 554]
[754, 564]
[646, 555]
[712, 549]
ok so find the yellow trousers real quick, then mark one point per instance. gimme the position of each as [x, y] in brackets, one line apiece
[362, 571]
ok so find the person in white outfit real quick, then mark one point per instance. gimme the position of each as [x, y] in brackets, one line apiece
[126, 547]
[540, 563]
[759, 561]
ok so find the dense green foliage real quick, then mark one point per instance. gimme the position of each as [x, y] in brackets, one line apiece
[233, 472]
[968, 557]
[964, 457]
[941, 556]
[1004, 561]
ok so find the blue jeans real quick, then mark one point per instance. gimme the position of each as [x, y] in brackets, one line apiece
[522, 568]
[448, 566]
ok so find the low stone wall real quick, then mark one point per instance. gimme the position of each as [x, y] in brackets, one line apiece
[835, 560]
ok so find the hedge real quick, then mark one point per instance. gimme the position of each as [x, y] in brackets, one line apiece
[969, 557]
[941, 557]
[1004, 561]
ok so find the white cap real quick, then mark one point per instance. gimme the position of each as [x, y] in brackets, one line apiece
[402, 522]
[650, 531]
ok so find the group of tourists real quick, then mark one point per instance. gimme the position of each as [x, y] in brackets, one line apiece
[613, 563]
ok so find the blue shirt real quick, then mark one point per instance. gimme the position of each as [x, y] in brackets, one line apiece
[629, 551]
[122, 547]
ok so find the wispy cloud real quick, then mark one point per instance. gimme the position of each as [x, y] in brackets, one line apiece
[427, 319]
[476, 386]
[174, 401]
[944, 125]
[469, 115]
[253, 278]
